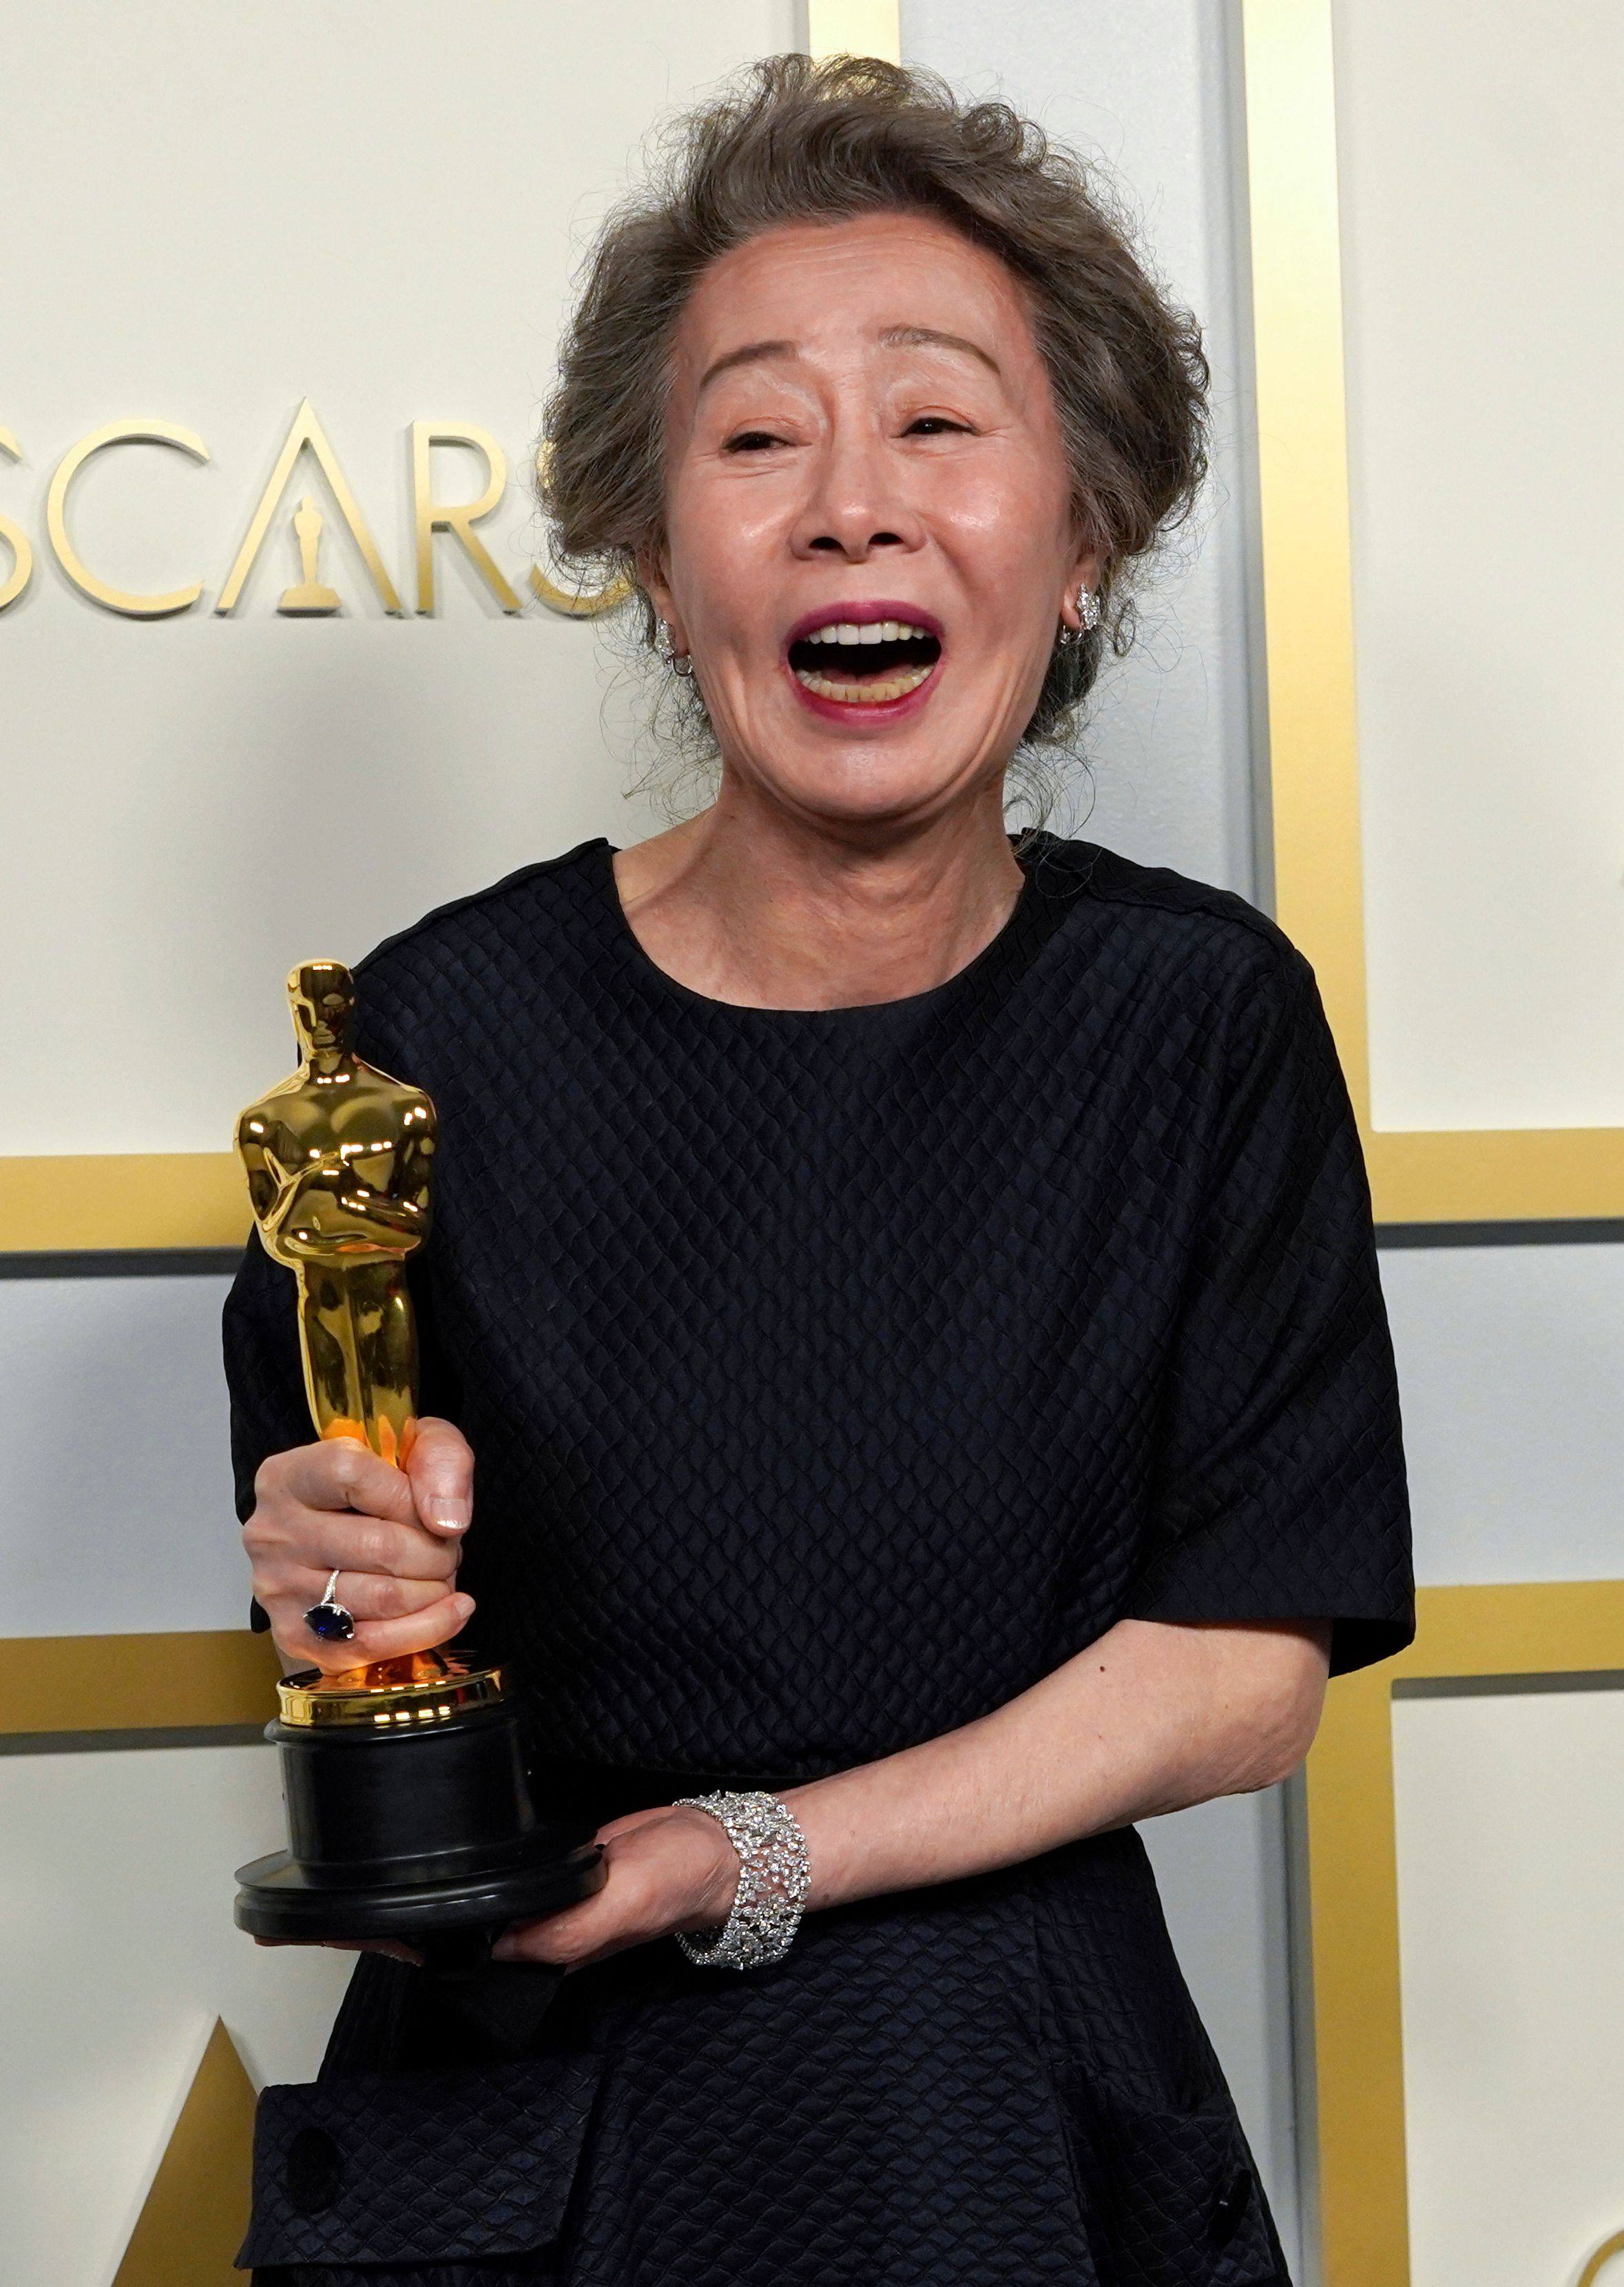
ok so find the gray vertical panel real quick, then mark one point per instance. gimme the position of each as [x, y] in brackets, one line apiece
[1221, 1869]
[116, 1513]
[1148, 86]
[1511, 1373]
[1152, 87]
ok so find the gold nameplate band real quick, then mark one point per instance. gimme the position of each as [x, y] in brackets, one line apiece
[309, 1698]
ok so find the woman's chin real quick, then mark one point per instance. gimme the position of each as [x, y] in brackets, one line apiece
[879, 773]
[865, 784]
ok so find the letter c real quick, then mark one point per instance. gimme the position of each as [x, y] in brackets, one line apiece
[14, 537]
[116, 432]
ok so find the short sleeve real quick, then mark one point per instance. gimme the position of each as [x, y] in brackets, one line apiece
[1279, 1484]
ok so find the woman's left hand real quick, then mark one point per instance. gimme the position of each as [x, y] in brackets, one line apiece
[669, 1868]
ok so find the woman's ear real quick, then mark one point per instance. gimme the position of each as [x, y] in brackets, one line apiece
[651, 578]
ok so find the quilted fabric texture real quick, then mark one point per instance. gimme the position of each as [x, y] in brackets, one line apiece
[406, 2163]
[833, 1375]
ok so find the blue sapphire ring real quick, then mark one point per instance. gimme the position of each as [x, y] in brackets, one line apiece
[330, 1619]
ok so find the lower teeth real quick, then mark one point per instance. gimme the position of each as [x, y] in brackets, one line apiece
[877, 689]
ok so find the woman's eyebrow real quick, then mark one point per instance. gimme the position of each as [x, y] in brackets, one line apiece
[746, 354]
[894, 337]
[910, 338]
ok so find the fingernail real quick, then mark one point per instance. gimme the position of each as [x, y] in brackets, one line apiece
[462, 1605]
[450, 1517]
[504, 1950]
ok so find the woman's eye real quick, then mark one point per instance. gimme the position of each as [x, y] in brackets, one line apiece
[752, 441]
[936, 425]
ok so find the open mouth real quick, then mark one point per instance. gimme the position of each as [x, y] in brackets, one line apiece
[866, 662]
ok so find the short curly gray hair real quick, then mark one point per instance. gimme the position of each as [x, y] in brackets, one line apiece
[795, 141]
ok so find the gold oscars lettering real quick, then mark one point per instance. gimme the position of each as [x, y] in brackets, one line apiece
[305, 447]
[1600, 2259]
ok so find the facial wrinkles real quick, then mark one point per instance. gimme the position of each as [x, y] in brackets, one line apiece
[842, 400]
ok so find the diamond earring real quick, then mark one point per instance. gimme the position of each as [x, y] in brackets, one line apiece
[1088, 611]
[679, 662]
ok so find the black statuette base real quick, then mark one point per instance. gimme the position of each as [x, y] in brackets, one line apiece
[276, 1899]
[421, 1835]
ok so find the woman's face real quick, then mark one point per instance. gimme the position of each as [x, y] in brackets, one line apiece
[870, 535]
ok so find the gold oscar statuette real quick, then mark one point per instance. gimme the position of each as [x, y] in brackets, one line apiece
[310, 598]
[409, 1809]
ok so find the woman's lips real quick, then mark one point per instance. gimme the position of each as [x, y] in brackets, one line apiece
[864, 662]
[873, 610]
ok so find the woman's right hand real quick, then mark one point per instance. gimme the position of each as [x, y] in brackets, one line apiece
[394, 1537]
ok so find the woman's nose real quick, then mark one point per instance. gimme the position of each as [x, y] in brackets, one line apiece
[855, 504]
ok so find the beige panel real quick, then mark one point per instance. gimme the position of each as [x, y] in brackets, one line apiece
[1510, 1841]
[854, 27]
[1481, 170]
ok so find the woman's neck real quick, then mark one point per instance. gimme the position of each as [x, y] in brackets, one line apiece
[745, 904]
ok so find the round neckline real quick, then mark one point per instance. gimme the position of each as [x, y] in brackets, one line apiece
[1012, 929]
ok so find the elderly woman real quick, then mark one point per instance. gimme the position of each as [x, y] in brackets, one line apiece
[908, 1291]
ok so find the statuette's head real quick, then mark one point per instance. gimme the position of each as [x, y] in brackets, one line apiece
[321, 994]
[868, 396]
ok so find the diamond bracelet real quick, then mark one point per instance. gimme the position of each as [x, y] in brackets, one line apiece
[774, 1875]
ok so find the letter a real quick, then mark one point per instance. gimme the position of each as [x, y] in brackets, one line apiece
[307, 435]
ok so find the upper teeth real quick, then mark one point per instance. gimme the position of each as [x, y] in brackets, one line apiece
[870, 631]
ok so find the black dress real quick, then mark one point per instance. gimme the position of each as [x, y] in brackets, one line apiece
[832, 1377]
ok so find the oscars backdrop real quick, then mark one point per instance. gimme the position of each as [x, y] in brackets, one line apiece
[276, 618]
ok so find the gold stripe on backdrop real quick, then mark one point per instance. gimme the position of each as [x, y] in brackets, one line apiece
[199, 1680]
[91, 1201]
[1455, 1176]
[193, 2220]
[1546, 1628]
